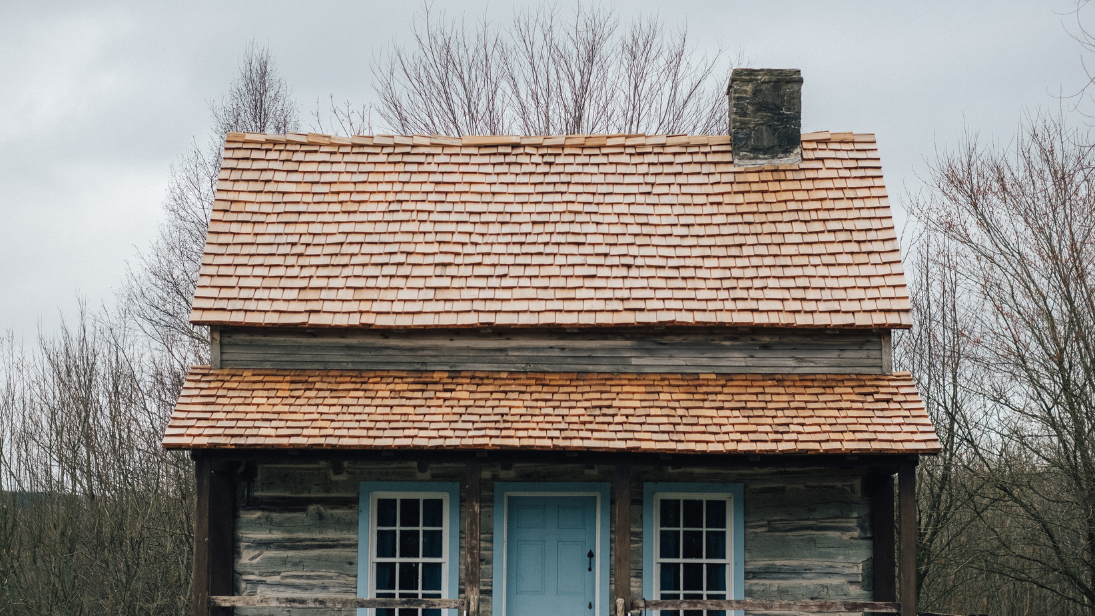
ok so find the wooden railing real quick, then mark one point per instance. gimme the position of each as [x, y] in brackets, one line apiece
[337, 602]
[813, 607]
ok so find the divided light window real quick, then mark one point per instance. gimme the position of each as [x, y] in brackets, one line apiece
[409, 558]
[693, 551]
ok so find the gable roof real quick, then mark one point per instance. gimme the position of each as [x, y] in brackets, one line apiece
[657, 413]
[310, 230]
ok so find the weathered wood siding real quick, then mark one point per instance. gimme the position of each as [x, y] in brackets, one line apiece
[807, 532]
[712, 351]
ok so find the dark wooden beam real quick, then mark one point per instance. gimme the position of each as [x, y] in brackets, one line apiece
[879, 488]
[886, 462]
[215, 347]
[214, 535]
[814, 607]
[471, 537]
[621, 491]
[200, 599]
[906, 496]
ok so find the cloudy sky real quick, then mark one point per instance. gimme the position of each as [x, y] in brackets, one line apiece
[98, 99]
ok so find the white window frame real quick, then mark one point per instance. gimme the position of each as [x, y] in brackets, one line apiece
[445, 530]
[728, 560]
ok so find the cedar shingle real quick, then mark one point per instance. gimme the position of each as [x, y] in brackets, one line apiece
[661, 413]
[538, 230]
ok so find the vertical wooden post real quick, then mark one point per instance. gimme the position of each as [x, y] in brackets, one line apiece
[622, 494]
[879, 488]
[214, 535]
[202, 474]
[471, 537]
[215, 347]
[906, 495]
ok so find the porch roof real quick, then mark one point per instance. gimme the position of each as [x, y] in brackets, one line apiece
[655, 413]
[578, 230]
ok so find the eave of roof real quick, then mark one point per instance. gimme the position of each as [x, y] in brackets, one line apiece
[579, 230]
[652, 413]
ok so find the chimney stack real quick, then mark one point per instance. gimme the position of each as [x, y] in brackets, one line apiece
[765, 116]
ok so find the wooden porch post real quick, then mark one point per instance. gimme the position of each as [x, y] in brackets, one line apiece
[906, 494]
[622, 495]
[214, 530]
[879, 488]
[471, 537]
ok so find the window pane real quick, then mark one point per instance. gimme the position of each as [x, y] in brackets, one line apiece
[385, 576]
[693, 544]
[716, 577]
[408, 511]
[408, 544]
[671, 513]
[385, 512]
[693, 613]
[408, 612]
[716, 514]
[693, 514]
[408, 576]
[431, 544]
[431, 576]
[670, 546]
[431, 512]
[716, 544]
[431, 612]
[385, 611]
[693, 577]
[385, 544]
[670, 576]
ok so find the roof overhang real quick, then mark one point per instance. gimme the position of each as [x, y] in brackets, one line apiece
[245, 409]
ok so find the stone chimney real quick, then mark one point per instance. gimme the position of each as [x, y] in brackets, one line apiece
[765, 116]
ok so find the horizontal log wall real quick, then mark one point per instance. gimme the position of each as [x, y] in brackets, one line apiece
[807, 531]
[707, 351]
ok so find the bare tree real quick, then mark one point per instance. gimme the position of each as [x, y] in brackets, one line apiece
[95, 517]
[343, 118]
[161, 286]
[258, 101]
[543, 75]
[1022, 221]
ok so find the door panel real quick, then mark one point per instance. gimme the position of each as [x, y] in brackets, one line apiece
[548, 539]
[530, 567]
[571, 579]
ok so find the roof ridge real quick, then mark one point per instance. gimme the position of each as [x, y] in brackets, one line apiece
[585, 140]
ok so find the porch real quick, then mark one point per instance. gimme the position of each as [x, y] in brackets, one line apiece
[831, 518]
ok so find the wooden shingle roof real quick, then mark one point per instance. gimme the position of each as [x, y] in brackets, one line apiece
[310, 230]
[659, 413]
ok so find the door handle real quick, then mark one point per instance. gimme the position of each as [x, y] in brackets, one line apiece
[590, 556]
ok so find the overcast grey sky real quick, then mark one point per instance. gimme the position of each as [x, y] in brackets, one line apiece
[98, 99]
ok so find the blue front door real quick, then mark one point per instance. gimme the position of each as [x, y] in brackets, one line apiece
[549, 571]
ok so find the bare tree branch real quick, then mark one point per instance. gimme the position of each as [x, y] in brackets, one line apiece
[544, 75]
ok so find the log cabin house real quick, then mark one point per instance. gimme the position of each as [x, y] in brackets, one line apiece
[576, 375]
